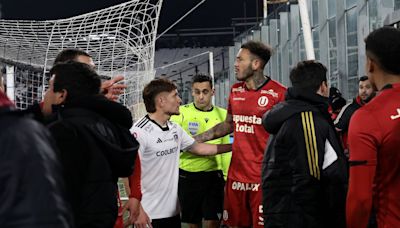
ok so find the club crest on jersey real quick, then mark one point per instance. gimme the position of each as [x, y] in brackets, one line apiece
[175, 137]
[263, 101]
[193, 127]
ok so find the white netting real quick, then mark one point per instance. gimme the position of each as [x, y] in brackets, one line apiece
[121, 40]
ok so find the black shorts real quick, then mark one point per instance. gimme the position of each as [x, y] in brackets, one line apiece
[201, 195]
[171, 222]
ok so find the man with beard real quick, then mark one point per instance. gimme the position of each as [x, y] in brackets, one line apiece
[248, 101]
[342, 122]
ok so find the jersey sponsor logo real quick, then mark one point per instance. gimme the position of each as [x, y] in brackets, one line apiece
[193, 127]
[239, 186]
[263, 101]
[246, 123]
[166, 152]
[393, 117]
[159, 140]
[270, 92]
[238, 89]
[239, 99]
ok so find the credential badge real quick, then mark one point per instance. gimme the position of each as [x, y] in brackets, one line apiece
[193, 128]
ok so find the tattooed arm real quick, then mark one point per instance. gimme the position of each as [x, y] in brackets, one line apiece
[217, 131]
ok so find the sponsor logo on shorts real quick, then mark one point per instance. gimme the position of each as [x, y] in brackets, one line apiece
[225, 215]
[239, 186]
[260, 217]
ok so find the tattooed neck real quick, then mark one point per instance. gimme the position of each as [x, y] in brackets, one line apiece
[256, 81]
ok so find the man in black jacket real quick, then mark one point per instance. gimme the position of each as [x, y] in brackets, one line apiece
[31, 186]
[92, 134]
[365, 93]
[304, 169]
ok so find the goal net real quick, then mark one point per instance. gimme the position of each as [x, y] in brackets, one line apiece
[121, 40]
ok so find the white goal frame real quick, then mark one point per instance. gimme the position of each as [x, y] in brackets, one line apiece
[120, 39]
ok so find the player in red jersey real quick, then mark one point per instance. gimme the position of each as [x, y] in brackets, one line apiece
[249, 100]
[374, 138]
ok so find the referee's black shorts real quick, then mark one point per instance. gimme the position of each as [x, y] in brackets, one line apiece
[201, 195]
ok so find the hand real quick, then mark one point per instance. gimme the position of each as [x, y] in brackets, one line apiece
[112, 89]
[133, 206]
[143, 220]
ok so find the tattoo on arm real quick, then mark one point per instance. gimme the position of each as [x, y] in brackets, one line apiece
[217, 131]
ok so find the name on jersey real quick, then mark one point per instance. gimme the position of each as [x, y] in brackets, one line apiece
[246, 123]
[236, 185]
[166, 152]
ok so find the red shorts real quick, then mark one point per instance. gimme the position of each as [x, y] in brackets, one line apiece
[242, 204]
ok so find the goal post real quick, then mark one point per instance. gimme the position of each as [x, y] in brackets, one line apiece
[120, 39]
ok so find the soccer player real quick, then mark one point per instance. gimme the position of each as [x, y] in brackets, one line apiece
[201, 179]
[249, 100]
[374, 137]
[155, 180]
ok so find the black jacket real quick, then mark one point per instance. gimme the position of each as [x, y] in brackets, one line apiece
[96, 148]
[31, 186]
[342, 121]
[298, 190]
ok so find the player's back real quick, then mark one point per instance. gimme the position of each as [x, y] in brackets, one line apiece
[383, 114]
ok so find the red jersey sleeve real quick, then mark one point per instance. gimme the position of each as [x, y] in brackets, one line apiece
[363, 137]
[135, 180]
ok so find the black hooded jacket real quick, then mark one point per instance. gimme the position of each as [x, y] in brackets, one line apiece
[304, 172]
[96, 148]
[31, 185]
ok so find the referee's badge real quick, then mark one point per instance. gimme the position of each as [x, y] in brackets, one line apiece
[193, 128]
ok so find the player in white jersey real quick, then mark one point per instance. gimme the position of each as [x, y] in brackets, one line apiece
[155, 180]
